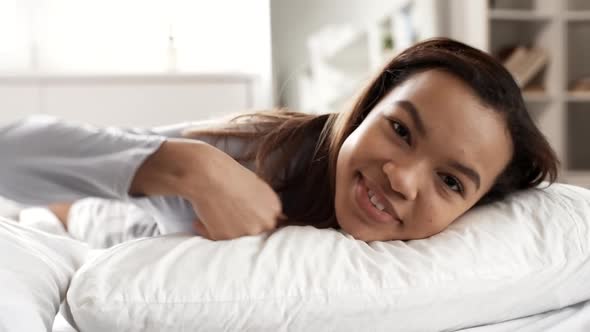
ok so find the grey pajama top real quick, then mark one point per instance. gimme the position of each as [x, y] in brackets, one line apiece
[46, 160]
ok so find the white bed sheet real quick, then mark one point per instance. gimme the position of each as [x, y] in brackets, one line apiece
[61, 325]
[9, 209]
[575, 318]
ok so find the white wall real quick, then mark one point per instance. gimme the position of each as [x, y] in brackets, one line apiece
[294, 21]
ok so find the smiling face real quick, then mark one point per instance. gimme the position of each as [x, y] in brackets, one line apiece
[422, 157]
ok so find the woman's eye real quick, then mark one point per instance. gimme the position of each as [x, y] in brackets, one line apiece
[452, 183]
[401, 130]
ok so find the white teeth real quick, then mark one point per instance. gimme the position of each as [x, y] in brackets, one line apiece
[375, 202]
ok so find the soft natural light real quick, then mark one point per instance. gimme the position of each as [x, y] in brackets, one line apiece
[14, 37]
[114, 36]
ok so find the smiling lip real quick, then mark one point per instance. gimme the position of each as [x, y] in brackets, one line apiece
[370, 210]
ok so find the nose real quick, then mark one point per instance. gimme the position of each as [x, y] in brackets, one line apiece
[403, 179]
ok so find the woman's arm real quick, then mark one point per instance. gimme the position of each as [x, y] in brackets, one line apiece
[168, 170]
[45, 160]
[230, 200]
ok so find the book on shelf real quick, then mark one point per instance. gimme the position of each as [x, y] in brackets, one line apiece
[581, 87]
[525, 63]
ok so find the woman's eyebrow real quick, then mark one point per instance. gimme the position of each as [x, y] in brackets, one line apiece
[468, 171]
[409, 107]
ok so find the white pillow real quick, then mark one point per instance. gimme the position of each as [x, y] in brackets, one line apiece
[35, 270]
[525, 255]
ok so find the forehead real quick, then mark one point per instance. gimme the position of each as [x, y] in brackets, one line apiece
[458, 125]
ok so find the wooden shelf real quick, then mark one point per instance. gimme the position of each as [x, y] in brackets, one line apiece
[536, 97]
[578, 96]
[518, 15]
[576, 16]
[579, 178]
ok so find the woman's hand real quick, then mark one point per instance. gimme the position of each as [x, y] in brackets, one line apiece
[230, 200]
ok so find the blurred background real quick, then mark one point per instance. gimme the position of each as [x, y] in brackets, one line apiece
[153, 62]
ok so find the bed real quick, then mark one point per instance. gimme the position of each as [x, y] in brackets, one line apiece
[61, 325]
[574, 318]
[522, 264]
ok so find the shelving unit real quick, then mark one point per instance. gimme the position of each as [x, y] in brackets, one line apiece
[343, 58]
[562, 28]
[518, 15]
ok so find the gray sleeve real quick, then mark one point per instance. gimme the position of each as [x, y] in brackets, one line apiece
[172, 213]
[46, 160]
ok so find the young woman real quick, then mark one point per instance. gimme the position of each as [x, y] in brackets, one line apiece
[442, 128]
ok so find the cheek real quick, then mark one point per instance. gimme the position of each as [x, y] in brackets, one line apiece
[348, 146]
[434, 218]
[350, 155]
[342, 165]
[364, 147]
[342, 179]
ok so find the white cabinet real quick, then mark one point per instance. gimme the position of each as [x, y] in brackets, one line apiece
[141, 101]
[17, 101]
